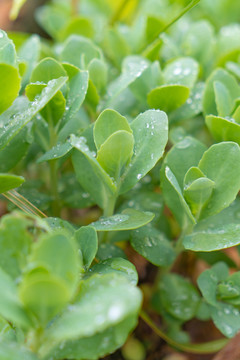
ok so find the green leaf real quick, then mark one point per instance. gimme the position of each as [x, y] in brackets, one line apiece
[182, 71]
[221, 164]
[56, 152]
[92, 177]
[54, 109]
[23, 118]
[98, 73]
[153, 245]
[47, 69]
[115, 153]
[43, 294]
[116, 46]
[109, 122]
[29, 52]
[9, 85]
[168, 97]
[98, 307]
[223, 129]
[174, 184]
[127, 220]
[109, 251]
[78, 86]
[11, 307]
[133, 67]
[78, 26]
[178, 296]
[61, 225]
[227, 80]
[198, 193]
[87, 241]
[57, 254]
[223, 99]
[18, 147]
[234, 68]
[192, 107]
[217, 238]
[150, 79]
[15, 242]
[208, 281]
[226, 318]
[194, 173]
[13, 351]
[96, 346]
[229, 289]
[52, 18]
[116, 265]
[216, 232]
[8, 182]
[7, 50]
[184, 155]
[150, 132]
[79, 51]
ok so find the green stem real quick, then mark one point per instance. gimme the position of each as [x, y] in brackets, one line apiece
[54, 187]
[54, 171]
[108, 211]
[204, 348]
[116, 16]
[36, 340]
[158, 41]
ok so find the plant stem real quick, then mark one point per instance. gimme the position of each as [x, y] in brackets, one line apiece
[204, 348]
[108, 211]
[158, 41]
[36, 340]
[74, 6]
[54, 187]
[116, 16]
[53, 171]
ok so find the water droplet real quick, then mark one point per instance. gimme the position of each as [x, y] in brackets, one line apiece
[114, 312]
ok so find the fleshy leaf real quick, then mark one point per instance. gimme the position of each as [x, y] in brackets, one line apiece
[174, 184]
[150, 132]
[108, 122]
[223, 129]
[92, 177]
[11, 307]
[178, 296]
[153, 245]
[221, 164]
[87, 241]
[182, 71]
[168, 97]
[98, 307]
[198, 193]
[116, 152]
[23, 118]
[8, 182]
[127, 220]
[116, 265]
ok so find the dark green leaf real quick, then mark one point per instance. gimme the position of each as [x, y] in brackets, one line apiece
[153, 245]
[87, 241]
